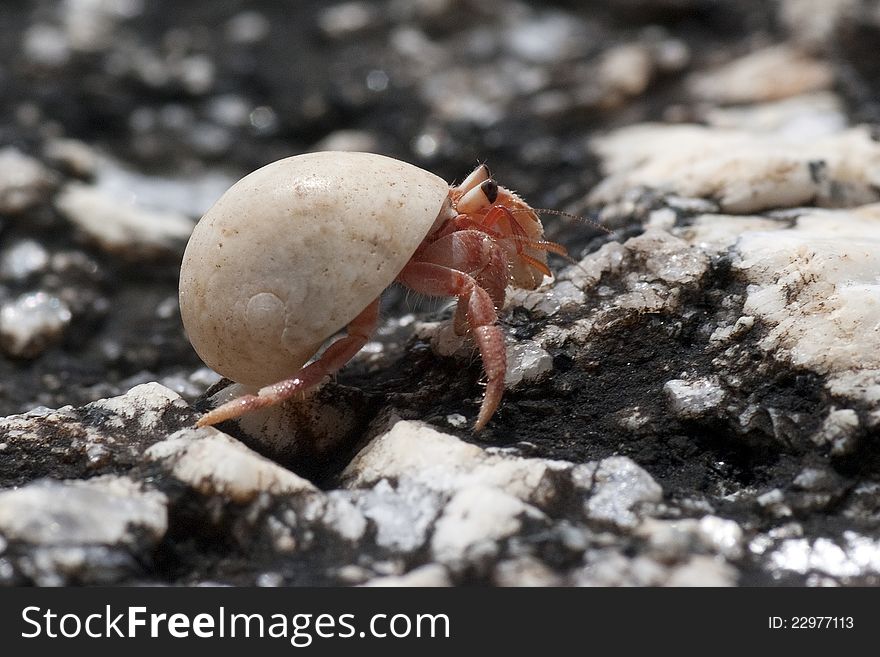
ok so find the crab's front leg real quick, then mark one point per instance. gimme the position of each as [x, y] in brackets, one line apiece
[439, 280]
[475, 253]
[331, 361]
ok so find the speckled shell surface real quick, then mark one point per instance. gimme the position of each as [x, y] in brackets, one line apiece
[292, 252]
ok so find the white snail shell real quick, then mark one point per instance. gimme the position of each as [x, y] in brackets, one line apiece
[294, 251]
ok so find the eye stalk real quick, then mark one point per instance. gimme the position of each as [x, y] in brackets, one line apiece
[478, 197]
[476, 177]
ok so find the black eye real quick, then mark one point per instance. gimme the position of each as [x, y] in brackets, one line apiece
[490, 189]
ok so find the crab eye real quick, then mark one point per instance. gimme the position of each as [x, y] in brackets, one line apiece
[478, 197]
[490, 189]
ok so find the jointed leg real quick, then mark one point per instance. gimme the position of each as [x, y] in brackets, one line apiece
[332, 360]
[472, 252]
[496, 215]
[438, 280]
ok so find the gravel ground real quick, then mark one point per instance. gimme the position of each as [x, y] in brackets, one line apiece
[693, 400]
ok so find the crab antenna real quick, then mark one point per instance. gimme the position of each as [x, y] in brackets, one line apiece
[562, 213]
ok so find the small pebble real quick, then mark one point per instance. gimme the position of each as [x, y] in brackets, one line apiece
[32, 323]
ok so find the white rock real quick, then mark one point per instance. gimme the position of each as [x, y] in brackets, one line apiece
[768, 74]
[743, 171]
[610, 258]
[65, 565]
[633, 418]
[446, 464]
[474, 522]
[215, 464]
[773, 501]
[809, 116]
[524, 571]
[668, 258]
[542, 38]
[740, 327]
[838, 430]
[189, 195]
[548, 299]
[814, 479]
[663, 219]
[311, 419]
[714, 233]
[76, 156]
[456, 420]
[624, 71]
[616, 487]
[675, 539]
[477, 96]
[123, 228]
[346, 19]
[724, 536]
[32, 323]
[144, 405]
[812, 284]
[102, 431]
[90, 24]
[854, 555]
[816, 286]
[23, 259]
[608, 567]
[859, 384]
[701, 570]
[248, 27]
[653, 266]
[692, 399]
[343, 517]
[402, 514]
[24, 181]
[348, 140]
[196, 73]
[443, 339]
[432, 574]
[45, 45]
[527, 361]
[813, 22]
[106, 510]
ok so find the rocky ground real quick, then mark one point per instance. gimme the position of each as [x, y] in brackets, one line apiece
[694, 399]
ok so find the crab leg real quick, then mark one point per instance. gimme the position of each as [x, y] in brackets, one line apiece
[437, 280]
[465, 222]
[473, 252]
[331, 361]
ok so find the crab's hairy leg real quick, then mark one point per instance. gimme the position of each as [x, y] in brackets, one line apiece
[498, 212]
[466, 222]
[475, 253]
[517, 233]
[543, 245]
[331, 361]
[519, 240]
[438, 280]
[534, 263]
[466, 250]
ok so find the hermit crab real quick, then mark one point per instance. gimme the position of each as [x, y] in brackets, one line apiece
[303, 247]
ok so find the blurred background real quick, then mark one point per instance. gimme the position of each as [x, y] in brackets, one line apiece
[121, 121]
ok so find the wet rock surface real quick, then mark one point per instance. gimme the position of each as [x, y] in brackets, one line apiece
[692, 400]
